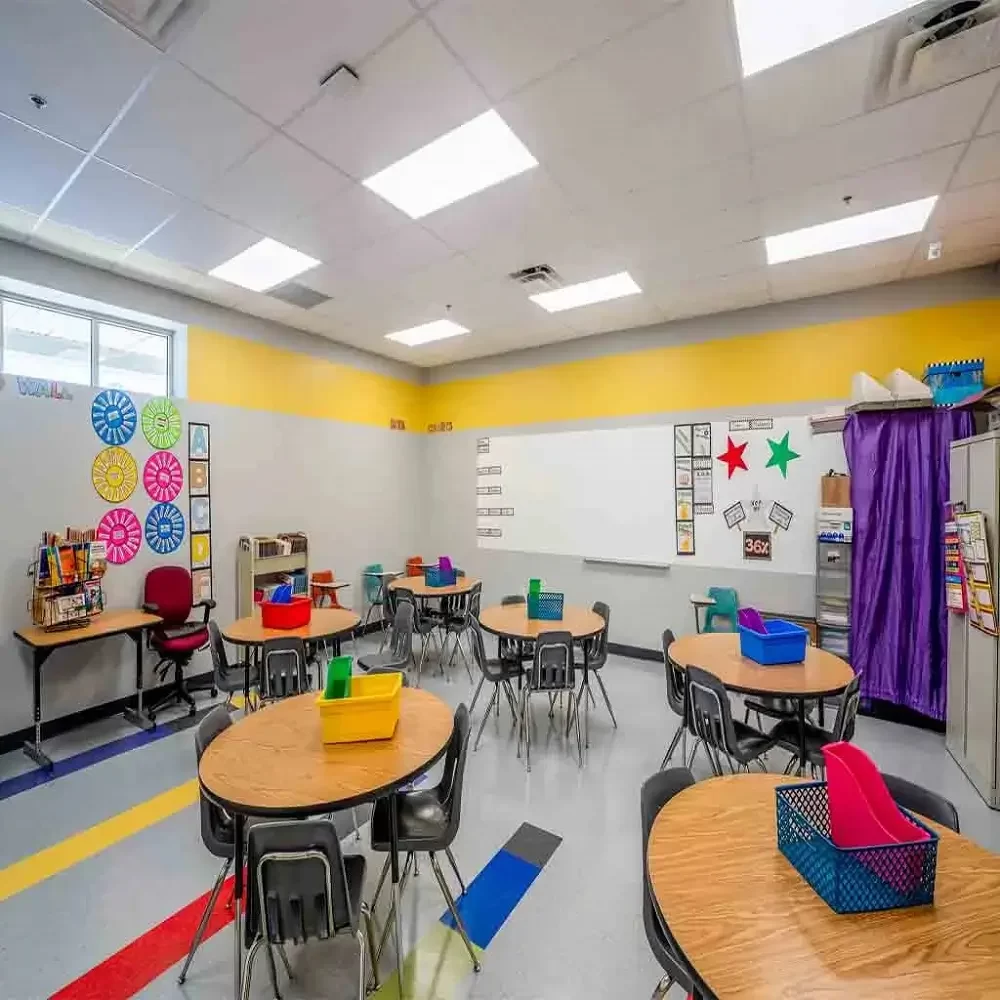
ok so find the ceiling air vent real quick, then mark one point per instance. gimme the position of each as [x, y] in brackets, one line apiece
[939, 43]
[540, 274]
[298, 295]
[158, 21]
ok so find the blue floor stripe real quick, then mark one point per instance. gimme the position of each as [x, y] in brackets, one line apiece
[492, 896]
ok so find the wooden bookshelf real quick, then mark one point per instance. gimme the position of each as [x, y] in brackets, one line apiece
[258, 565]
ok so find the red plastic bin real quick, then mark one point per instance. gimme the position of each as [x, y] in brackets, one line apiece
[295, 614]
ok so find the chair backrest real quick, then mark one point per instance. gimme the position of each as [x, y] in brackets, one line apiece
[491, 671]
[285, 671]
[727, 604]
[475, 600]
[216, 827]
[598, 653]
[297, 886]
[372, 583]
[401, 636]
[553, 667]
[511, 599]
[220, 662]
[656, 792]
[676, 678]
[847, 711]
[169, 588]
[710, 712]
[449, 789]
[922, 801]
[414, 566]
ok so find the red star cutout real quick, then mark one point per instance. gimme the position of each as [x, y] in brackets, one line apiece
[733, 456]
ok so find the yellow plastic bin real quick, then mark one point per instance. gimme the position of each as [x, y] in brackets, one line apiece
[370, 713]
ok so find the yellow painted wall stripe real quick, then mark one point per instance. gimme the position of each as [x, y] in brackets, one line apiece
[52, 860]
[784, 366]
[235, 371]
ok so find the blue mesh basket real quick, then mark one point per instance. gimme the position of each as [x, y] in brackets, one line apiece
[545, 607]
[434, 576]
[858, 879]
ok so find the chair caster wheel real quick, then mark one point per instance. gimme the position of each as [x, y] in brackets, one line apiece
[215, 692]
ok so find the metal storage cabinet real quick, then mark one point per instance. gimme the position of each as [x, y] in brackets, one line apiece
[973, 699]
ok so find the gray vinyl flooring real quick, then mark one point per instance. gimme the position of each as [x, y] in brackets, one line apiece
[577, 933]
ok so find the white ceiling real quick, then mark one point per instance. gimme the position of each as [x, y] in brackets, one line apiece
[655, 157]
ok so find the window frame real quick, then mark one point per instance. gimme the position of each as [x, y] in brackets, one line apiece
[95, 319]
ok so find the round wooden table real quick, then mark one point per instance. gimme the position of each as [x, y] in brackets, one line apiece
[819, 675]
[420, 589]
[274, 763]
[324, 623]
[753, 929]
[510, 621]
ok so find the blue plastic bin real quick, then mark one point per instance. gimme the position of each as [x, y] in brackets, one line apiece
[857, 879]
[434, 576]
[546, 607]
[785, 642]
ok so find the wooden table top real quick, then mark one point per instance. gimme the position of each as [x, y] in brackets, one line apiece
[420, 588]
[112, 621]
[325, 623]
[512, 621]
[755, 930]
[329, 584]
[821, 673]
[274, 762]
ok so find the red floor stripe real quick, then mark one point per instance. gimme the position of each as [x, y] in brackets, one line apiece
[123, 974]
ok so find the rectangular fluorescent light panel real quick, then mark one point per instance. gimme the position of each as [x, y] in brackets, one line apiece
[264, 265]
[857, 231]
[440, 329]
[774, 31]
[474, 156]
[615, 286]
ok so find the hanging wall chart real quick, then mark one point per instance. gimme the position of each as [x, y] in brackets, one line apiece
[114, 474]
[161, 423]
[164, 528]
[121, 533]
[163, 476]
[113, 416]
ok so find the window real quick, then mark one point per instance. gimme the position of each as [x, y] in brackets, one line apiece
[65, 345]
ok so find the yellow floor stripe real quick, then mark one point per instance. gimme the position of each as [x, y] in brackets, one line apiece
[434, 970]
[36, 868]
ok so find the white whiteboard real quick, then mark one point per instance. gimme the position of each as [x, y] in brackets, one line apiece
[604, 494]
[609, 494]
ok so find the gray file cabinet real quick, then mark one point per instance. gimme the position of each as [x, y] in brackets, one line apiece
[973, 702]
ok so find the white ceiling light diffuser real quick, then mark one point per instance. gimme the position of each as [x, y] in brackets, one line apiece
[474, 156]
[440, 329]
[774, 31]
[856, 231]
[615, 286]
[265, 265]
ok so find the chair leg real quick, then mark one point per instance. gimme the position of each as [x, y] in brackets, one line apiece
[511, 700]
[475, 697]
[381, 882]
[579, 737]
[454, 868]
[248, 968]
[607, 700]
[662, 988]
[209, 906]
[672, 747]
[370, 943]
[486, 715]
[446, 892]
[284, 960]
[404, 879]
[272, 970]
[357, 826]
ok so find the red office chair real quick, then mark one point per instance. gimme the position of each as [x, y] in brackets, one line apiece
[168, 593]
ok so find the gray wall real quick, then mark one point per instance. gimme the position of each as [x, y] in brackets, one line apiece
[643, 602]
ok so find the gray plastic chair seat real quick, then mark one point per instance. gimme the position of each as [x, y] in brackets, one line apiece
[423, 823]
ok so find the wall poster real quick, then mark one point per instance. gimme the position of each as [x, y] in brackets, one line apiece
[200, 510]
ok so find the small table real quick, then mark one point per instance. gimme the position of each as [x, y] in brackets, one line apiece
[330, 587]
[324, 624]
[42, 643]
[511, 621]
[755, 930]
[700, 601]
[274, 763]
[420, 589]
[821, 674]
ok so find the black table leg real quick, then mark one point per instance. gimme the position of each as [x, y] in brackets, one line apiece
[136, 715]
[396, 906]
[34, 750]
[237, 899]
[586, 694]
[802, 736]
[246, 680]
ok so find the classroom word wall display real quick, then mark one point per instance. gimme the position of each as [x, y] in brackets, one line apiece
[693, 492]
[113, 416]
[200, 520]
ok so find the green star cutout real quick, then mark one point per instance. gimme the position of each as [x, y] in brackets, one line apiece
[781, 455]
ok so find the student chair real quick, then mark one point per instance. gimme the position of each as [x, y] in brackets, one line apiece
[230, 680]
[499, 673]
[167, 592]
[723, 612]
[597, 658]
[922, 801]
[400, 651]
[676, 699]
[284, 668]
[415, 566]
[552, 672]
[321, 596]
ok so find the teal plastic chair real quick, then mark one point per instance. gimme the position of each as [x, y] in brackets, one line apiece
[721, 617]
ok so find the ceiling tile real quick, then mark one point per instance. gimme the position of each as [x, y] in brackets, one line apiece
[113, 205]
[85, 64]
[681, 264]
[15, 223]
[715, 295]
[67, 241]
[991, 122]
[943, 117]
[806, 286]
[956, 260]
[33, 167]
[967, 205]
[271, 56]
[199, 239]
[411, 91]
[275, 184]
[891, 184]
[802, 95]
[980, 164]
[181, 133]
[620, 314]
[508, 43]
[966, 235]
[401, 252]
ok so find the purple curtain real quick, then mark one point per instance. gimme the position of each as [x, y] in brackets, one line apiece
[899, 463]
